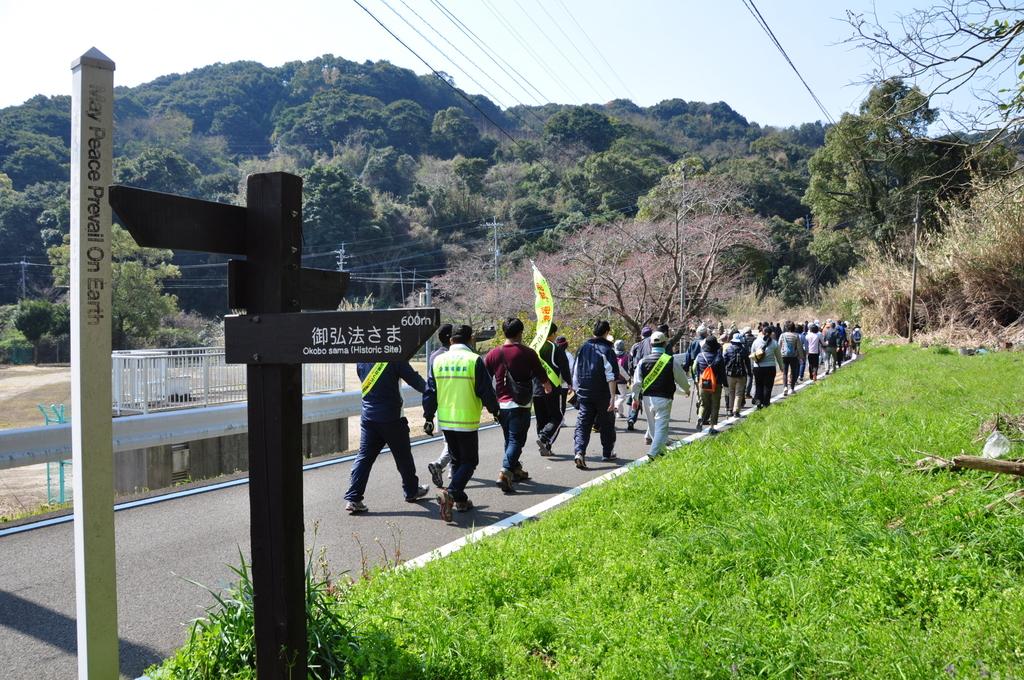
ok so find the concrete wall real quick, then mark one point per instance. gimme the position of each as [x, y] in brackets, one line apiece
[142, 469]
[151, 469]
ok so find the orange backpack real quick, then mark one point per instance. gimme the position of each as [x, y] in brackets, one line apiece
[708, 380]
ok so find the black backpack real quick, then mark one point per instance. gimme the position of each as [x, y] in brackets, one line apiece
[736, 361]
[521, 391]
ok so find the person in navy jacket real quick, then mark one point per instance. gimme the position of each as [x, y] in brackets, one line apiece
[381, 424]
[594, 382]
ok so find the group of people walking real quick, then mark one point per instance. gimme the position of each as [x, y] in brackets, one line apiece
[514, 383]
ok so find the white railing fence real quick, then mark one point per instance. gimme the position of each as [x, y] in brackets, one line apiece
[151, 380]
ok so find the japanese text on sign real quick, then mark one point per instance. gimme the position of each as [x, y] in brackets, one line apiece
[357, 339]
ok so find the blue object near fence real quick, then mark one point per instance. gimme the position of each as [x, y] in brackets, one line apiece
[57, 490]
[53, 414]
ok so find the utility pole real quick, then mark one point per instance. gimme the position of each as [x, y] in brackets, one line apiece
[24, 264]
[495, 224]
[913, 270]
[340, 252]
[427, 299]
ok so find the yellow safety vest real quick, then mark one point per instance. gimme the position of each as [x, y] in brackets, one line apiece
[458, 406]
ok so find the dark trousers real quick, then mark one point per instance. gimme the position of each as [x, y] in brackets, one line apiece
[750, 380]
[812, 365]
[372, 439]
[465, 450]
[591, 412]
[790, 370]
[550, 411]
[515, 425]
[764, 378]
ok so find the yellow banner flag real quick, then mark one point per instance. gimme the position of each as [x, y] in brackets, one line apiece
[544, 306]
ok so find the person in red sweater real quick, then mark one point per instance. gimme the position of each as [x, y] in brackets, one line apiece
[514, 367]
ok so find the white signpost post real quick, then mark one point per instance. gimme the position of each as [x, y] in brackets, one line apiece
[92, 102]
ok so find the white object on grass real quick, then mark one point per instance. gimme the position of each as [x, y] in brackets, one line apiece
[996, 446]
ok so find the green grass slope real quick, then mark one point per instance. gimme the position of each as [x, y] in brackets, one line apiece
[796, 545]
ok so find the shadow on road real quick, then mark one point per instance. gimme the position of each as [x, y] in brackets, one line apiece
[479, 517]
[58, 630]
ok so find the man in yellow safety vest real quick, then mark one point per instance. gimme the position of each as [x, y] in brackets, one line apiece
[656, 378]
[458, 389]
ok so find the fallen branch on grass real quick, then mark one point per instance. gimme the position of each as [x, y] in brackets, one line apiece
[933, 463]
[1006, 467]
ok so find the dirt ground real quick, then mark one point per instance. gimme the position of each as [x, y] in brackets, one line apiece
[22, 389]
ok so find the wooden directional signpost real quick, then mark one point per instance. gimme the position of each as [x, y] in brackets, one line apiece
[274, 338]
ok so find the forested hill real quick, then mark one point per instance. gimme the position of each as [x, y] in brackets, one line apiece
[397, 166]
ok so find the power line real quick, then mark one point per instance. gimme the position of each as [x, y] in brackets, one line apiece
[536, 58]
[575, 47]
[459, 67]
[600, 53]
[494, 56]
[475, 65]
[517, 35]
[439, 51]
[555, 45]
[437, 73]
[756, 13]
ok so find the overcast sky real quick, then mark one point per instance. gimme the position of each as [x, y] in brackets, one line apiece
[692, 49]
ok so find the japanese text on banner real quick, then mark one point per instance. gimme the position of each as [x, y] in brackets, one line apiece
[544, 306]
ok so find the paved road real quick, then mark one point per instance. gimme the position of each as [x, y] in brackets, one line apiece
[160, 546]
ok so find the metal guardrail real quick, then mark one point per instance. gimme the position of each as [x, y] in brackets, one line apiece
[145, 381]
[32, 445]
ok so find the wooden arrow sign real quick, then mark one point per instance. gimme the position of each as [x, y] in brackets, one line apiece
[158, 220]
[319, 289]
[328, 337]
